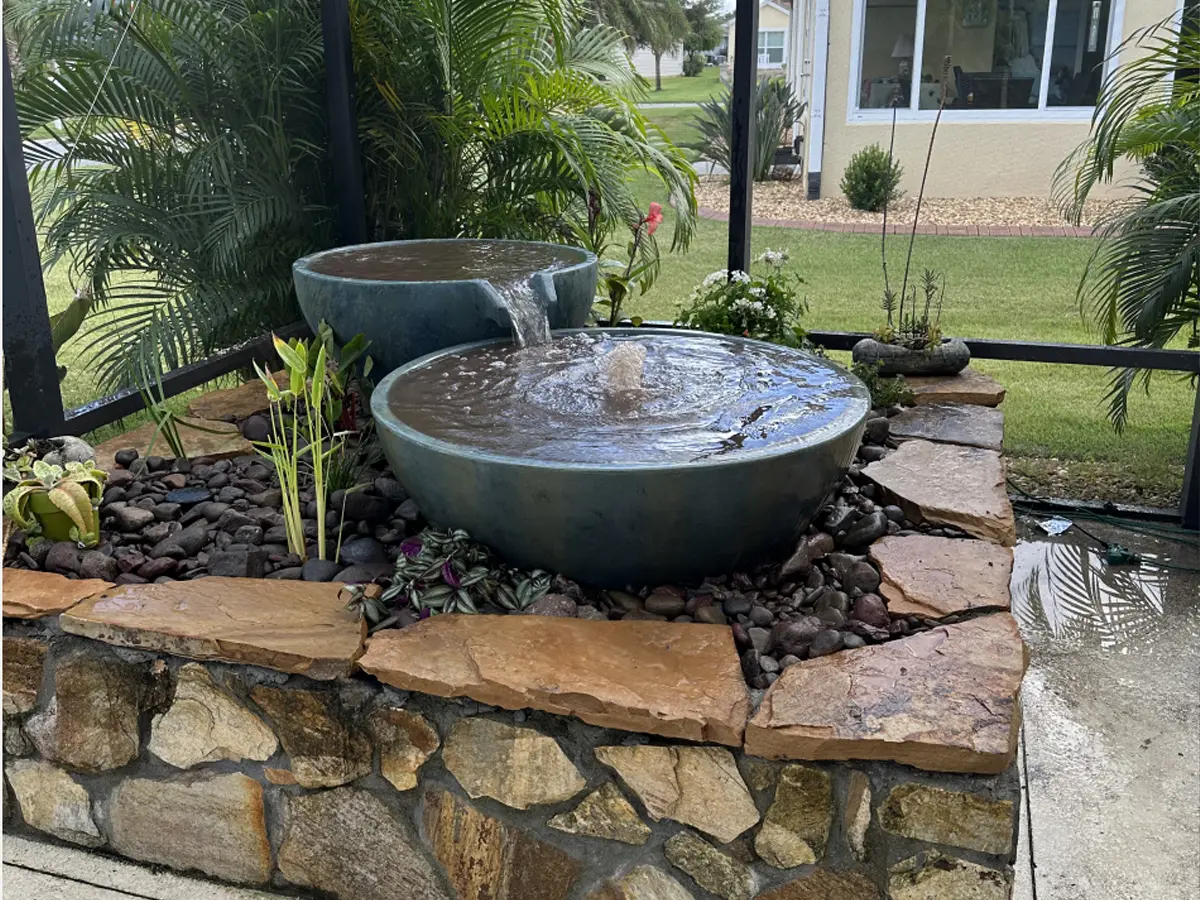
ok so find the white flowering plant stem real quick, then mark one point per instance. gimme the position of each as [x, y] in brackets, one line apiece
[766, 307]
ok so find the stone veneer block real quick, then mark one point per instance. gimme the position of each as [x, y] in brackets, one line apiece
[716, 872]
[796, 827]
[32, 595]
[207, 724]
[968, 386]
[858, 814]
[944, 700]
[91, 722]
[486, 859]
[678, 680]
[214, 824]
[934, 577]
[945, 484]
[951, 423]
[519, 767]
[325, 747]
[932, 876]
[24, 660]
[698, 786]
[604, 813]
[405, 740]
[347, 843]
[291, 626]
[227, 442]
[642, 883]
[826, 885]
[52, 801]
[956, 818]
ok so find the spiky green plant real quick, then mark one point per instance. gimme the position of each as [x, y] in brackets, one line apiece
[1142, 283]
[775, 109]
[74, 489]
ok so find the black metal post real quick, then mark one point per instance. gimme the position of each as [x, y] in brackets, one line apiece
[29, 367]
[1189, 501]
[343, 122]
[741, 184]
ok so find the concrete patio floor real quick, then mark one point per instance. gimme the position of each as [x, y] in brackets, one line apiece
[1110, 754]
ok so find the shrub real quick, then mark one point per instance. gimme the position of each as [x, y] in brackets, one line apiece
[885, 392]
[693, 65]
[766, 308]
[775, 109]
[871, 180]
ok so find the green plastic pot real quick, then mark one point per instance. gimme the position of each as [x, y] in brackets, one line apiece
[56, 524]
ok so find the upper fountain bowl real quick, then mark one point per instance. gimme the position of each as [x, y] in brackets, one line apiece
[411, 298]
[623, 456]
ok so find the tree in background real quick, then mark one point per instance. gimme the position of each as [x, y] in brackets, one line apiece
[1142, 283]
[704, 25]
[660, 25]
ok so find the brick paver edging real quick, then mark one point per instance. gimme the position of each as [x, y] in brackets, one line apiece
[1071, 231]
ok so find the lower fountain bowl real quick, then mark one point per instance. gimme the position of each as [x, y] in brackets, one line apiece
[613, 525]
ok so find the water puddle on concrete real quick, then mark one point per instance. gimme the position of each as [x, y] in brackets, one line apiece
[1063, 591]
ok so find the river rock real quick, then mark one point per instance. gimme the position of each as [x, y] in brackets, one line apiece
[870, 608]
[698, 786]
[214, 823]
[604, 813]
[709, 867]
[794, 637]
[553, 605]
[519, 767]
[325, 749]
[405, 741]
[206, 724]
[796, 827]
[319, 570]
[53, 802]
[331, 843]
[869, 528]
[479, 854]
[64, 557]
[811, 548]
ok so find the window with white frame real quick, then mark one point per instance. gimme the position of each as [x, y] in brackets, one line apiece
[770, 47]
[982, 54]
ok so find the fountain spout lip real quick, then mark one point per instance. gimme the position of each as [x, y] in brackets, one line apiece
[853, 417]
[305, 265]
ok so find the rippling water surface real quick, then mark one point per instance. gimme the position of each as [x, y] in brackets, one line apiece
[500, 262]
[575, 400]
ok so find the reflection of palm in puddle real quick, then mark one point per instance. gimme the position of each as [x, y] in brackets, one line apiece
[1067, 592]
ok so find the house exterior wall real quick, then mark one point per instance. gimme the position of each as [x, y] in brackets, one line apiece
[643, 61]
[770, 18]
[970, 159]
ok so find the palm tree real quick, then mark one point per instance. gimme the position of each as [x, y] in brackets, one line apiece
[660, 25]
[1142, 283]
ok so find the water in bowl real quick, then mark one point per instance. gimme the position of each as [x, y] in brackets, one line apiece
[506, 265]
[599, 398]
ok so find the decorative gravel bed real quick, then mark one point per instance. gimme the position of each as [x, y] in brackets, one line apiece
[177, 519]
[786, 200]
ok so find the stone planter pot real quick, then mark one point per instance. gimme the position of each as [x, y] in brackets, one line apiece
[949, 357]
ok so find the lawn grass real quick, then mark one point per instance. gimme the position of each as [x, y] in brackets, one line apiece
[681, 89]
[1014, 288]
[679, 125]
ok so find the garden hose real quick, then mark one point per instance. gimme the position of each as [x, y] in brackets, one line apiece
[1117, 554]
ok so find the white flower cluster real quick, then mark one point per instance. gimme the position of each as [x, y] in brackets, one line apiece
[717, 277]
[774, 258]
[754, 306]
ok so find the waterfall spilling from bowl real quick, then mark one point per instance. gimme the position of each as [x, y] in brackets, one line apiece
[616, 457]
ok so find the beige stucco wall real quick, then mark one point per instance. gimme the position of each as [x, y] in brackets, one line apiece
[769, 19]
[970, 159]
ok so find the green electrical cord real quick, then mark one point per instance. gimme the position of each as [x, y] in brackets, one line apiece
[1116, 554]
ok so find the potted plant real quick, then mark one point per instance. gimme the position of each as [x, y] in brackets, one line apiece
[911, 343]
[55, 502]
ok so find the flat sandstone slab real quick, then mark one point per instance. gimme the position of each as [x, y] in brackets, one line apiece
[679, 680]
[33, 595]
[929, 576]
[968, 386]
[945, 484]
[290, 626]
[944, 700]
[228, 442]
[951, 423]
